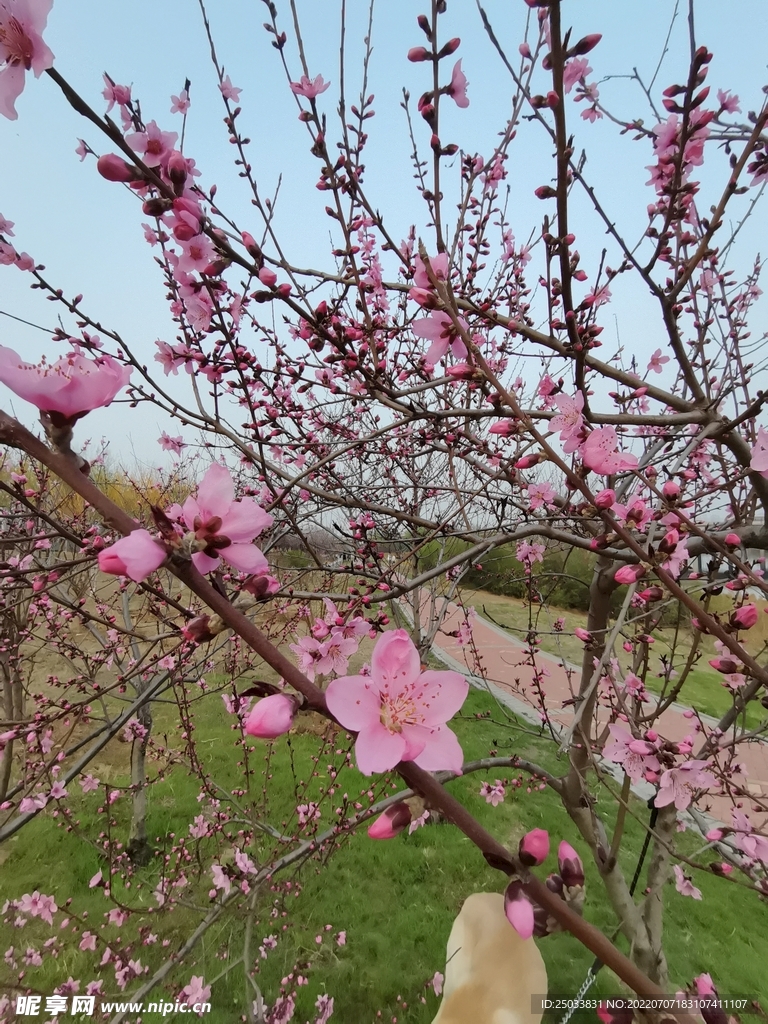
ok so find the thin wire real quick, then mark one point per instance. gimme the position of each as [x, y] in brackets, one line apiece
[29, 323]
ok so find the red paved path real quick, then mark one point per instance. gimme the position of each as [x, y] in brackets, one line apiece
[504, 659]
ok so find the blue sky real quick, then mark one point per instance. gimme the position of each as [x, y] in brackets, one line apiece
[87, 231]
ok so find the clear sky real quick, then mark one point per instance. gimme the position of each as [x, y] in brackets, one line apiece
[88, 231]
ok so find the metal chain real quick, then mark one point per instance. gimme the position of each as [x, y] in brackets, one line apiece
[586, 985]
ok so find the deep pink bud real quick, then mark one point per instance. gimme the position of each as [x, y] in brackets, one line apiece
[519, 910]
[534, 847]
[503, 427]
[391, 822]
[585, 45]
[268, 277]
[177, 168]
[725, 665]
[605, 499]
[732, 540]
[271, 717]
[744, 617]
[583, 634]
[527, 461]
[198, 630]
[417, 54]
[261, 586]
[671, 490]
[570, 866]
[114, 168]
[545, 192]
[450, 47]
[629, 573]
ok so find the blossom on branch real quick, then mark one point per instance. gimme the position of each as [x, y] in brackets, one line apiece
[21, 48]
[309, 88]
[71, 387]
[398, 711]
[224, 528]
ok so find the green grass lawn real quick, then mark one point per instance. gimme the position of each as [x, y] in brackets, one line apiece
[396, 900]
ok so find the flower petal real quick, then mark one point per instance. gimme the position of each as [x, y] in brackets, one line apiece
[354, 702]
[442, 752]
[244, 520]
[216, 491]
[246, 557]
[441, 695]
[377, 749]
[395, 661]
[204, 563]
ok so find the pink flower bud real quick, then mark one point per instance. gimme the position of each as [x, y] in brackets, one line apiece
[544, 192]
[114, 168]
[570, 866]
[744, 617]
[136, 556]
[585, 45]
[261, 586]
[503, 427]
[271, 717]
[197, 630]
[177, 168]
[583, 634]
[450, 47]
[629, 573]
[534, 847]
[417, 54]
[605, 499]
[268, 277]
[391, 822]
[725, 665]
[528, 461]
[715, 835]
[732, 540]
[519, 910]
[671, 490]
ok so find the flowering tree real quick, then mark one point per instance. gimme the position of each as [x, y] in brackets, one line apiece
[429, 400]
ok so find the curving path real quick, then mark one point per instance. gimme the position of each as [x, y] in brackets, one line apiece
[511, 680]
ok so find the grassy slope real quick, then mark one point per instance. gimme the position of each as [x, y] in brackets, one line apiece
[395, 899]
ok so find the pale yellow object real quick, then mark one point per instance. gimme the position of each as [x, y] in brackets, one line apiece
[490, 972]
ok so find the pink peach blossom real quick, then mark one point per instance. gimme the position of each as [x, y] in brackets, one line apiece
[391, 822]
[224, 526]
[679, 785]
[21, 48]
[72, 386]
[599, 452]
[457, 90]
[398, 711]
[309, 88]
[519, 910]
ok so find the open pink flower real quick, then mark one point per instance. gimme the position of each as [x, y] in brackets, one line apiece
[759, 463]
[227, 526]
[398, 711]
[684, 884]
[21, 48]
[457, 90]
[154, 145]
[679, 785]
[71, 386]
[309, 88]
[441, 331]
[657, 361]
[570, 420]
[599, 452]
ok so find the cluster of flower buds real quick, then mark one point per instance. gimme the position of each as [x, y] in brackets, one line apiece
[528, 918]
